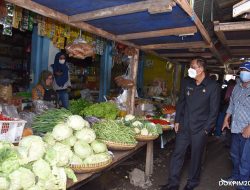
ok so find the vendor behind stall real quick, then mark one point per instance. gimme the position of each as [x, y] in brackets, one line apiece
[62, 78]
[44, 89]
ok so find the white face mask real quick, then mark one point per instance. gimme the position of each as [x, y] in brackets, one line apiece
[192, 73]
[61, 61]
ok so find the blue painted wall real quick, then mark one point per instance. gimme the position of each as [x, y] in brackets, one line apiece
[105, 72]
[39, 55]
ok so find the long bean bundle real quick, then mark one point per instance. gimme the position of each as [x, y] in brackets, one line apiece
[46, 121]
[110, 130]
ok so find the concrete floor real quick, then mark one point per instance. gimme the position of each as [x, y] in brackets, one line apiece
[217, 165]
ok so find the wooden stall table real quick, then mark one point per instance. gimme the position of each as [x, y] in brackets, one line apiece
[119, 156]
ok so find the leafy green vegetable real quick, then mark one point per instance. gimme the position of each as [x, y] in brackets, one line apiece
[22, 179]
[76, 122]
[97, 158]
[31, 148]
[42, 169]
[105, 110]
[46, 121]
[113, 131]
[76, 106]
[4, 183]
[70, 174]
[86, 134]
[82, 149]
[49, 139]
[61, 131]
[9, 159]
[98, 146]
[76, 160]
[59, 155]
[69, 141]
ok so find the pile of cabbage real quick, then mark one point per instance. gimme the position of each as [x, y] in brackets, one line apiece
[44, 163]
[74, 142]
[25, 167]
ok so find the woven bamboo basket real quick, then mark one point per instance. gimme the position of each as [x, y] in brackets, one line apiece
[119, 146]
[83, 168]
[146, 138]
[167, 128]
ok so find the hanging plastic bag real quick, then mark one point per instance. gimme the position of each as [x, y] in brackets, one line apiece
[122, 98]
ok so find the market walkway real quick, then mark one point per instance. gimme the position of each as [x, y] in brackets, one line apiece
[216, 166]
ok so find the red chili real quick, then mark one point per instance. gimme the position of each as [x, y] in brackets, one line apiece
[159, 121]
[4, 118]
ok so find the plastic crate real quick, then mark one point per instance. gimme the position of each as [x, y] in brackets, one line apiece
[11, 131]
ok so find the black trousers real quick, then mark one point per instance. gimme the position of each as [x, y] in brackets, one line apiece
[197, 141]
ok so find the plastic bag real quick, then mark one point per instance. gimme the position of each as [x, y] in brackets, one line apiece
[10, 111]
[122, 98]
[86, 95]
[41, 106]
[27, 116]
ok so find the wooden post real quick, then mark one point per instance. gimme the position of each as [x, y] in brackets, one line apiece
[149, 159]
[132, 91]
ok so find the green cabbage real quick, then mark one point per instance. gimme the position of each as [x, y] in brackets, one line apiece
[21, 179]
[69, 141]
[76, 122]
[70, 174]
[86, 134]
[31, 148]
[41, 169]
[61, 131]
[98, 146]
[97, 158]
[82, 149]
[4, 183]
[49, 139]
[59, 155]
[76, 160]
[9, 159]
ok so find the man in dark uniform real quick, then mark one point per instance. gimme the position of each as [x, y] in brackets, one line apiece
[196, 113]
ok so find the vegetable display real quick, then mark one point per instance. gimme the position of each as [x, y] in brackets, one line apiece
[72, 142]
[142, 127]
[25, 167]
[46, 121]
[76, 106]
[145, 128]
[105, 110]
[44, 163]
[114, 131]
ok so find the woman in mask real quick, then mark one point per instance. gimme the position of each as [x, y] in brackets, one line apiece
[62, 78]
[43, 90]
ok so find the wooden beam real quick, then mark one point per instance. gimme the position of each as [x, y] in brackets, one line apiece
[199, 44]
[241, 8]
[232, 26]
[222, 38]
[50, 13]
[205, 55]
[240, 51]
[186, 6]
[149, 159]
[228, 3]
[238, 42]
[189, 59]
[158, 33]
[150, 5]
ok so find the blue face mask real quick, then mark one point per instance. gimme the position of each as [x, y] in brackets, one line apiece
[245, 76]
